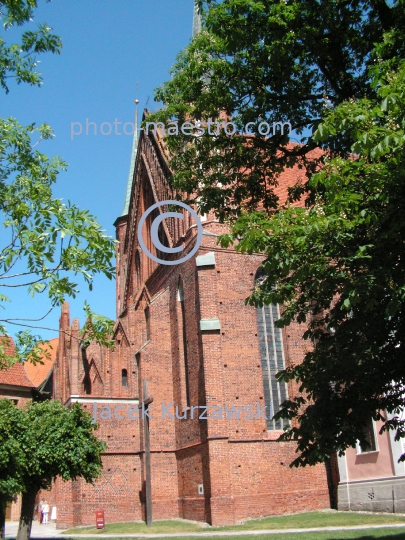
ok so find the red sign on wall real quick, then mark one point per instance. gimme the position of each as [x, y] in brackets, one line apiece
[100, 519]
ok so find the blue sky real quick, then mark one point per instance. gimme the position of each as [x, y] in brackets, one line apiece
[107, 48]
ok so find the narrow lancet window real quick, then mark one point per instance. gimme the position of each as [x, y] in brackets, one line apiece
[183, 341]
[272, 359]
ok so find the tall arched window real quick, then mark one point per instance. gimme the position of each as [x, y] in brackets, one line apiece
[138, 270]
[124, 377]
[272, 358]
[183, 343]
[147, 322]
[87, 384]
[138, 371]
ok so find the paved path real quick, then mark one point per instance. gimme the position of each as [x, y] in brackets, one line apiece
[37, 531]
[49, 531]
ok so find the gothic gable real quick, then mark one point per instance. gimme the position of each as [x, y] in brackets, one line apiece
[92, 381]
[150, 185]
[120, 335]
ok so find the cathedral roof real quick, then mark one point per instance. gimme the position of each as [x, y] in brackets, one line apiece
[131, 167]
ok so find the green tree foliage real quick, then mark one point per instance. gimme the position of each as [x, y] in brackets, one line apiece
[335, 71]
[268, 61]
[47, 243]
[18, 61]
[12, 458]
[41, 442]
[339, 266]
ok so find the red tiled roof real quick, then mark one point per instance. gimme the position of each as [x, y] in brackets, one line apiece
[38, 373]
[10, 347]
[15, 375]
[287, 179]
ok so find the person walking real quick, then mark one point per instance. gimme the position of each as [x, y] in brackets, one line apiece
[40, 511]
[45, 513]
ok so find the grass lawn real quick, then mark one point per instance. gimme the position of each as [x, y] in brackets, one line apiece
[369, 534]
[315, 519]
[296, 521]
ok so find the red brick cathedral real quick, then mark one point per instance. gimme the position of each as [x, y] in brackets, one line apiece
[210, 362]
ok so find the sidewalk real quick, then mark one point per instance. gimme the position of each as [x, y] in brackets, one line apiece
[37, 531]
[49, 531]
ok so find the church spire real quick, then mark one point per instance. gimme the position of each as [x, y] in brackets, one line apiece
[197, 23]
[132, 164]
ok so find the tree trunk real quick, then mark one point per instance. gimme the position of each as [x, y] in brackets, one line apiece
[27, 514]
[3, 506]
